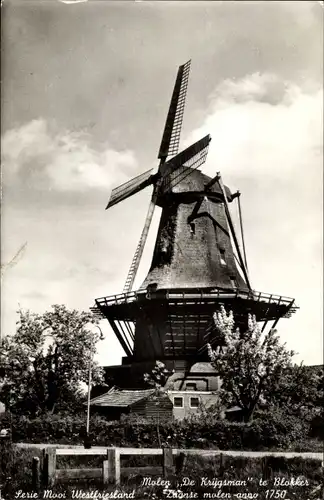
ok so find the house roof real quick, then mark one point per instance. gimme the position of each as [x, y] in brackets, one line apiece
[121, 398]
[202, 367]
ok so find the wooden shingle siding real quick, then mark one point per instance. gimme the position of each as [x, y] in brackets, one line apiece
[182, 259]
[158, 406]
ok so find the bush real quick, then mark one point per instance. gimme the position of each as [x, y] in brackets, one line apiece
[317, 426]
[274, 429]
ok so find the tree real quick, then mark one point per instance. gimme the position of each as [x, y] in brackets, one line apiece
[159, 376]
[250, 365]
[45, 362]
[299, 390]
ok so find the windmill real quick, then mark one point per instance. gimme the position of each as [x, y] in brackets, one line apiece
[197, 262]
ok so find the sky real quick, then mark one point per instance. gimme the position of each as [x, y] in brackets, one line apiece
[86, 88]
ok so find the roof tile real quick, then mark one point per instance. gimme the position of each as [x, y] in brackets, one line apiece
[121, 398]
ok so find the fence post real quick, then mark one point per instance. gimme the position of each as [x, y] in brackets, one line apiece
[167, 462]
[113, 456]
[35, 474]
[44, 468]
[221, 465]
[5, 454]
[180, 462]
[51, 466]
[267, 472]
[105, 472]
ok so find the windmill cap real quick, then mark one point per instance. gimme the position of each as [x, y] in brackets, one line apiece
[194, 183]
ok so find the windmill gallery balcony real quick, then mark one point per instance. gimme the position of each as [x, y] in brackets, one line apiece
[177, 323]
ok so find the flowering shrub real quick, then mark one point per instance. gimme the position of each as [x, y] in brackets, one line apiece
[250, 364]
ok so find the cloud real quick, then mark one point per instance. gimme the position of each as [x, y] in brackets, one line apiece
[256, 87]
[40, 157]
[263, 124]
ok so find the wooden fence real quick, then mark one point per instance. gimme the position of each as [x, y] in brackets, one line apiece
[111, 470]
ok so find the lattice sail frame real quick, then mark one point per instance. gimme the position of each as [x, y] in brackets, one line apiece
[130, 187]
[172, 130]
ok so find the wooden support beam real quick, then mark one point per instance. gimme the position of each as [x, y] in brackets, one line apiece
[229, 218]
[117, 467]
[266, 321]
[278, 317]
[210, 184]
[80, 451]
[180, 462]
[51, 466]
[113, 457]
[131, 334]
[264, 325]
[121, 329]
[146, 470]
[64, 474]
[237, 261]
[36, 474]
[147, 322]
[267, 472]
[140, 451]
[275, 323]
[221, 465]
[241, 226]
[167, 462]
[127, 350]
[105, 472]
[44, 459]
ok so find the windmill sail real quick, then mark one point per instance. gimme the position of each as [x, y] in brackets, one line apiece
[171, 135]
[131, 187]
[140, 247]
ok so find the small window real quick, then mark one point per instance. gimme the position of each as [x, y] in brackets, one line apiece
[233, 282]
[178, 402]
[194, 402]
[222, 257]
[191, 387]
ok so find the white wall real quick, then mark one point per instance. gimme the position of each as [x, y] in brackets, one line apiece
[206, 398]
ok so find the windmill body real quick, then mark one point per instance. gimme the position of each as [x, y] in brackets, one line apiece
[193, 247]
[197, 263]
